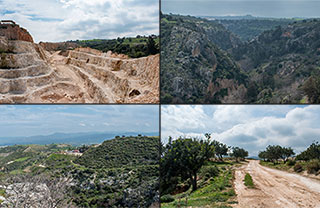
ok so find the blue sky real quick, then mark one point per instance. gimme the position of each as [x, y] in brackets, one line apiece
[252, 127]
[61, 20]
[31, 120]
[264, 8]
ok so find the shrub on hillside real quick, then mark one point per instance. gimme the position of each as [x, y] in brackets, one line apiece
[298, 168]
[207, 172]
[291, 162]
[166, 198]
[313, 167]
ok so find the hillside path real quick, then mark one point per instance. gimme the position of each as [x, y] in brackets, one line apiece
[275, 188]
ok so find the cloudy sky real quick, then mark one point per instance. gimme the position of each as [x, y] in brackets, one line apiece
[31, 120]
[264, 8]
[250, 127]
[61, 20]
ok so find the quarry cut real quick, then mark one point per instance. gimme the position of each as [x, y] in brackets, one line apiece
[31, 74]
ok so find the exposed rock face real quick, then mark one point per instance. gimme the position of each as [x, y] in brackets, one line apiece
[120, 79]
[12, 31]
[58, 46]
[30, 74]
[194, 68]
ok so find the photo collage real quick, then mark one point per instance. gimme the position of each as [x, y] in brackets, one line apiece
[159, 103]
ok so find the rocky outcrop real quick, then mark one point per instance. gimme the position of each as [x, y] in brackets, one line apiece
[30, 74]
[12, 31]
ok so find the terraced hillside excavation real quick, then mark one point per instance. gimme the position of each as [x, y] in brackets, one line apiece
[30, 74]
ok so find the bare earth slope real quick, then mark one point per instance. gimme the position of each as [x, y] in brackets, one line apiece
[275, 188]
[30, 74]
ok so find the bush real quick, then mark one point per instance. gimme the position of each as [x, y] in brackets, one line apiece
[291, 162]
[248, 181]
[166, 199]
[313, 167]
[298, 168]
[209, 171]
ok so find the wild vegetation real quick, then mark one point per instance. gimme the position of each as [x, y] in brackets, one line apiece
[248, 29]
[248, 181]
[194, 174]
[122, 172]
[137, 47]
[308, 160]
[239, 61]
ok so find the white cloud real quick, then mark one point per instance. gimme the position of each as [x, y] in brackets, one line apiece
[82, 124]
[63, 20]
[185, 116]
[250, 127]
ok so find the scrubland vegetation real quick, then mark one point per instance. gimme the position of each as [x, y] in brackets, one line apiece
[122, 172]
[283, 158]
[133, 47]
[198, 173]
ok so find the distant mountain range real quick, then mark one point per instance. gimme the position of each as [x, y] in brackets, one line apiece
[69, 138]
[245, 17]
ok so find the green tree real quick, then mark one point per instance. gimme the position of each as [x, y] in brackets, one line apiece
[286, 153]
[274, 153]
[184, 157]
[220, 149]
[263, 155]
[312, 152]
[151, 45]
[239, 153]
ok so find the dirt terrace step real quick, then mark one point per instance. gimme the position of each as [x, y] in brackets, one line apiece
[30, 71]
[21, 85]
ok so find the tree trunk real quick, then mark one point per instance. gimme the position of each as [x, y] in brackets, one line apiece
[194, 181]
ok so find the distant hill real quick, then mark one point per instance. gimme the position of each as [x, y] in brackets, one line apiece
[247, 29]
[69, 138]
[138, 151]
[229, 17]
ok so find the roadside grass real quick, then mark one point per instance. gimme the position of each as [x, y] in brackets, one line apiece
[279, 166]
[248, 182]
[214, 192]
[312, 166]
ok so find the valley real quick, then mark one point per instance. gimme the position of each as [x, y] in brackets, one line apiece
[239, 60]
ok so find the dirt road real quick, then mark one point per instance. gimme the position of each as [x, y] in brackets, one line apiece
[274, 188]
